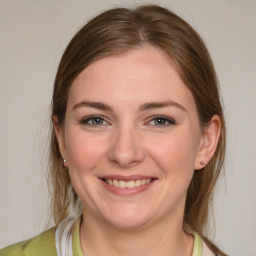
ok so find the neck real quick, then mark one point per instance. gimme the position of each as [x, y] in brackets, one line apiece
[154, 239]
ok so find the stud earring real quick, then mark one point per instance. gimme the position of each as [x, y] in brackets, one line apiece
[64, 163]
[202, 163]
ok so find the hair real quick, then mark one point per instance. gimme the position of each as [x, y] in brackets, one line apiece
[119, 30]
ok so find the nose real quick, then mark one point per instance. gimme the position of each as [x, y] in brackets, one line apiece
[126, 148]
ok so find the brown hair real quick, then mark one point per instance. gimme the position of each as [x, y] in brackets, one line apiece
[118, 30]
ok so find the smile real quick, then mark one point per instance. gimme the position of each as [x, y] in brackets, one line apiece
[127, 184]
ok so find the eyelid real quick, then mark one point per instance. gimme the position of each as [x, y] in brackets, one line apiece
[171, 121]
[86, 119]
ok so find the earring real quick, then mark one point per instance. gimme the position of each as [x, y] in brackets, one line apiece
[64, 163]
[202, 163]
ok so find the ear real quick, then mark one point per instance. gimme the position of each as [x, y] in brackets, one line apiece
[208, 143]
[59, 132]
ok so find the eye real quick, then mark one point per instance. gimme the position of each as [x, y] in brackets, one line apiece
[94, 120]
[161, 121]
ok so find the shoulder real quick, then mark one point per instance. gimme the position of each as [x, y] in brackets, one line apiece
[41, 245]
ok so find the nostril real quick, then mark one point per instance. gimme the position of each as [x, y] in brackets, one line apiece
[126, 159]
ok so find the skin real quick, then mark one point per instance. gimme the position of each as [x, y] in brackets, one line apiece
[128, 140]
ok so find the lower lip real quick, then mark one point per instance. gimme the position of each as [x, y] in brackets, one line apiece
[127, 191]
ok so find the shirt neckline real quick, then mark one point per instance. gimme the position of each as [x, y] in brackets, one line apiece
[77, 249]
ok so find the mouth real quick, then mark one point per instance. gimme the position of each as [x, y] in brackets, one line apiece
[119, 183]
[127, 185]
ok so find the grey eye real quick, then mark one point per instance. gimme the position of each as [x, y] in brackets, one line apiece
[94, 120]
[161, 121]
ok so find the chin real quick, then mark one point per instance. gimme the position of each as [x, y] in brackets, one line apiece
[128, 223]
[128, 218]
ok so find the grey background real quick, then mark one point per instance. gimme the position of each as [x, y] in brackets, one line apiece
[33, 35]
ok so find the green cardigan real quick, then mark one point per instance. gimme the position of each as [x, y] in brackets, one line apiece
[44, 244]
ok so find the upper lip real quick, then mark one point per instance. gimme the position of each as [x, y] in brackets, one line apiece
[127, 178]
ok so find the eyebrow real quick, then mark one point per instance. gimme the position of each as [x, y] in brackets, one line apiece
[92, 104]
[143, 107]
[168, 103]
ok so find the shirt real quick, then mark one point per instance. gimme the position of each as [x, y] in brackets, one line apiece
[45, 244]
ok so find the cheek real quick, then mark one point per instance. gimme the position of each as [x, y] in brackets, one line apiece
[84, 151]
[175, 153]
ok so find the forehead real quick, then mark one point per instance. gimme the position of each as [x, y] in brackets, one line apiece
[142, 74]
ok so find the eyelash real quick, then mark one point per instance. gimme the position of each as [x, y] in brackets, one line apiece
[90, 118]
[102, 119]
[165, 119]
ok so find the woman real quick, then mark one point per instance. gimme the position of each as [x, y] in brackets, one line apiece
[138, 140]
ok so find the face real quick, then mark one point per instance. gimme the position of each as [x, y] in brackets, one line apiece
[131, 139]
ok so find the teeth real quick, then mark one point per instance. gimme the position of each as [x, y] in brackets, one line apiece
[122, 184]
[128, 184]
[131, 184]
[138, 183]
[115, 183]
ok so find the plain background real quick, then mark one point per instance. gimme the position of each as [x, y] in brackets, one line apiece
[33, 35]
